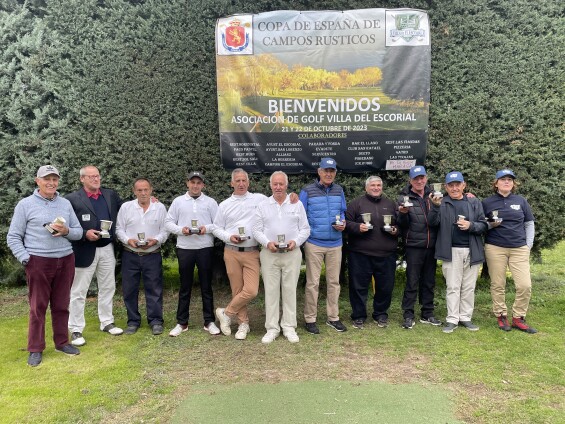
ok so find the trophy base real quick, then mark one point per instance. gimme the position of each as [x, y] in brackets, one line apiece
[495, 220]
[104, 234]
[51, 230]
[243, 238]
[195, 231]
[369, 226]
[141, 243]
[436, 194]
[387, 228]
[282, 246]
[408, 205]
[338, 223]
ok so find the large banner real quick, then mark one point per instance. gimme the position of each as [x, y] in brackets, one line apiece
[294, 87]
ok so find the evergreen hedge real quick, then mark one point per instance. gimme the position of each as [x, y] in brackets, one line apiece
[130, 87]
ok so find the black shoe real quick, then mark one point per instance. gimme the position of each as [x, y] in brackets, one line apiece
[34, 358]
[358, 323]
[312, 328]
[337, 326]
[408, 323]
[131, 329]
[68, 349]
[431, 320]
[157, 329]
[382, 322]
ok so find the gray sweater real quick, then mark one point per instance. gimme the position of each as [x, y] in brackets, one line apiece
[27, 235]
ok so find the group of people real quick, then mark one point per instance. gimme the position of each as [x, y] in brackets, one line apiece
[64, 242]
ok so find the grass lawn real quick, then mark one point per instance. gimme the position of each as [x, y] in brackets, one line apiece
[485, 377]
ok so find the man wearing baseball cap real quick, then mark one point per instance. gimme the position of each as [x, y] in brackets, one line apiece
[325, 206]
[419, 246]
[507, 245]
[191, 218]
[459, 245]
[39, 237]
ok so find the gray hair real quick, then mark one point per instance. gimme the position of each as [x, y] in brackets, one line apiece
[278, 173]
[371, 179]
[82, 171]
[238, 171]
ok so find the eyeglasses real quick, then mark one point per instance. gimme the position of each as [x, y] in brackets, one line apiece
[92, 177]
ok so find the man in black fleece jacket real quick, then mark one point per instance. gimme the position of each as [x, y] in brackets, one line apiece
[372, 252]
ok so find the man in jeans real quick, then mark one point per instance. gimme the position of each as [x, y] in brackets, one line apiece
[324, 202]
[419, 246]
[39, 237]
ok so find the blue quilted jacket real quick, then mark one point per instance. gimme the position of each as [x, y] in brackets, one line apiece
[322, 204]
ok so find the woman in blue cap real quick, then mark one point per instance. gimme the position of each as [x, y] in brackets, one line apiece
[507, 245]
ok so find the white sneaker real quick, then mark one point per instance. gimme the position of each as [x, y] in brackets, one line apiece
[77, 339]
[112, 329]
[224, 320]
[291, 336]
[242, 331]
[212, 329]
[270, 336]
[178, 330]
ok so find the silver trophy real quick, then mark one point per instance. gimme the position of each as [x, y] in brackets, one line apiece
[338, 220]
[459, 218]
[407, 203]
[242, 235]
[437, 190]
[141, 240]
[388, 221]
[367, 220]
[194, 227]
[105, 228]
[495, 217]
[58, 220]
[281, 243]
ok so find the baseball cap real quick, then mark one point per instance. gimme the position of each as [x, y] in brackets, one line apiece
[196, 174]
[454, 176]
[417, 170]
[326, 163]
[505, 173]
[45, 170]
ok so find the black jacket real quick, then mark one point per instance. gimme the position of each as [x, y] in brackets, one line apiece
[445, 216]
[84, 250]
[375, 242]
[416, 228]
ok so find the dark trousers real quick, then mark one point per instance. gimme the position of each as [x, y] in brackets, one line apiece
[49, 281]
[420, 281]
[202, 258]
[150, 267]
[361, 269]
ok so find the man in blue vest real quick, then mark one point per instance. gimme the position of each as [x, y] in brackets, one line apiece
[93, 254]
[325, 206]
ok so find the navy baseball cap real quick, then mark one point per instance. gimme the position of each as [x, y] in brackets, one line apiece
[195, 174]
[505, 173]
[416, 171]
[454, 176]
[326, 163]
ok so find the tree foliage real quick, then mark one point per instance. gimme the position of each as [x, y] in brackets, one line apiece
[131, 87]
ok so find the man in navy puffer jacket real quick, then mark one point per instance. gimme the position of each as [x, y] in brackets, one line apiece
[325, 207]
